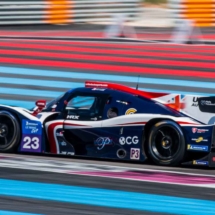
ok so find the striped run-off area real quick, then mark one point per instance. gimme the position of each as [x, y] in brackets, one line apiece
[34, 69]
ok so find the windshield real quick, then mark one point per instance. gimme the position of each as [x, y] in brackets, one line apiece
[55, 101]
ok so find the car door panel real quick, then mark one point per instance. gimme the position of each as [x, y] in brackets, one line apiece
[82, 125]
[82, 135]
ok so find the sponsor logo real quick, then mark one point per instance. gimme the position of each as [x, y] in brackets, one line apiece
[200, 139]
[34, 130]
[197, 148]
[98, 89]
[72, 117]
[59, 134]
[195, 102]
[196, 130]
[63, 143]
[67, 153]
[31, 123]
[130, 111]
[208, 103]
[31, 127]
[123, 102]
[134, 153]
[102, 141]
[96, 85]
[196, 162]
[213, 159]
[128, 140]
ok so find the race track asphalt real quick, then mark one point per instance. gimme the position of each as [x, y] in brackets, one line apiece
[50, 207]
[38, 206]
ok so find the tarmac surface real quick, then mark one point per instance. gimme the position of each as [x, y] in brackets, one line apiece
[32, 205]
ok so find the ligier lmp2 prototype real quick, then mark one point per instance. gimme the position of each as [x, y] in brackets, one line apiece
[111, 121]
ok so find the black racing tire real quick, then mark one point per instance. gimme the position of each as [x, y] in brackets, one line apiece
[9, 132]
[166, 143]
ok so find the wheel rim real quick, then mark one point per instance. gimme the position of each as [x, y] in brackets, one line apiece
[166, 143]
[7, 131]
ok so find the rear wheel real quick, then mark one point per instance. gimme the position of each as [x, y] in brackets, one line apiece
[166, 143]
[9, 132]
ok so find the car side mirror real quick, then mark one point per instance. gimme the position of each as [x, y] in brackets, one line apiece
[40, 105]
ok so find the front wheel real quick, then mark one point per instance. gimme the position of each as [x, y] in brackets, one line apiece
[9, 132]
[166, 143]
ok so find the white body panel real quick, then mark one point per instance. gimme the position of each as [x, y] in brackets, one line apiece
[188, 105]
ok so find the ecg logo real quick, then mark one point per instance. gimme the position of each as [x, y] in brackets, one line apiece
[102, 141]
[128, 140]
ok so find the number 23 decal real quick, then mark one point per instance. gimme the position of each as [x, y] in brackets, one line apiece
[31, 143]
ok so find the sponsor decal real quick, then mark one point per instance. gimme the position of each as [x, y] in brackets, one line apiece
[63, 143]
[90, 84]
[195, 102]
[102, 141]
[31, 136]
[59, 134]
[67, 153]
[196, 130]
[123, 102]
[200, 139]
[31, 127]
[176, 102]
[130, 111]
[213, 159]
[196, 162]
[72, 117]
[208, 103]
[135, 153]
[197, 148]
[99, 89]
[128, 140]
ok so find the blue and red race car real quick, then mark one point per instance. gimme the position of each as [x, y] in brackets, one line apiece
[111, 121]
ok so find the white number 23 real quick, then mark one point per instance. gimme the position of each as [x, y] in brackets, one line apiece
[31, 143]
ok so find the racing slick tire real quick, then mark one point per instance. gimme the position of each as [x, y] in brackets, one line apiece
[9, 132]
[166, 143]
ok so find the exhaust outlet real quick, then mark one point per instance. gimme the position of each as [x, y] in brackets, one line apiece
[121, 153]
